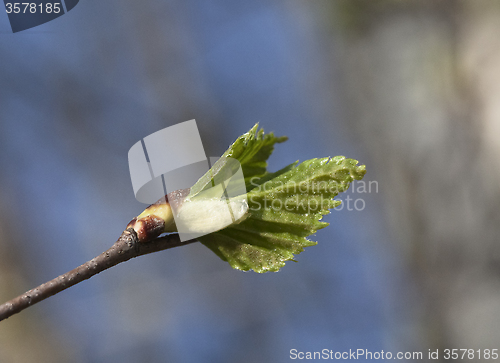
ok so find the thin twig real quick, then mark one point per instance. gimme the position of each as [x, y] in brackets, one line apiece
[127, 247]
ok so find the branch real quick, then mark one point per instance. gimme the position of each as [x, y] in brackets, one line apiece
[125, 248]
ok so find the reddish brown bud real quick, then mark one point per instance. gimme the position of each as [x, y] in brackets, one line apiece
[148, 227]
[158, 217]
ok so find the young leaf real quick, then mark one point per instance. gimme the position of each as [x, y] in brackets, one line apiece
[252, 151]
[285, 207]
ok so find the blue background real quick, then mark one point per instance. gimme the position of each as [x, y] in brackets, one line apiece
[78, 92]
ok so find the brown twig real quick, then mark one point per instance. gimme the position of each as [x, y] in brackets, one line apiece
[127, 247]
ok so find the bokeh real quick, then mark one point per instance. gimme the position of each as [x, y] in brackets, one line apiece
[409, 88]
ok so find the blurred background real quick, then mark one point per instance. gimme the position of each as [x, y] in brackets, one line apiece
[409, 88]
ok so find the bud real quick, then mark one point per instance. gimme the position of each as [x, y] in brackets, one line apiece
[158, 218]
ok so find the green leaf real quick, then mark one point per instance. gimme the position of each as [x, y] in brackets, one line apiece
[252, 151]
[285, 207]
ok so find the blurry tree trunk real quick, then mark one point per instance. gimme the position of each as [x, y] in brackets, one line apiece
[422, 90]
[27, 337]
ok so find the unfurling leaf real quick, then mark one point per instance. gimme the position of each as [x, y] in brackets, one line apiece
[285, 207]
